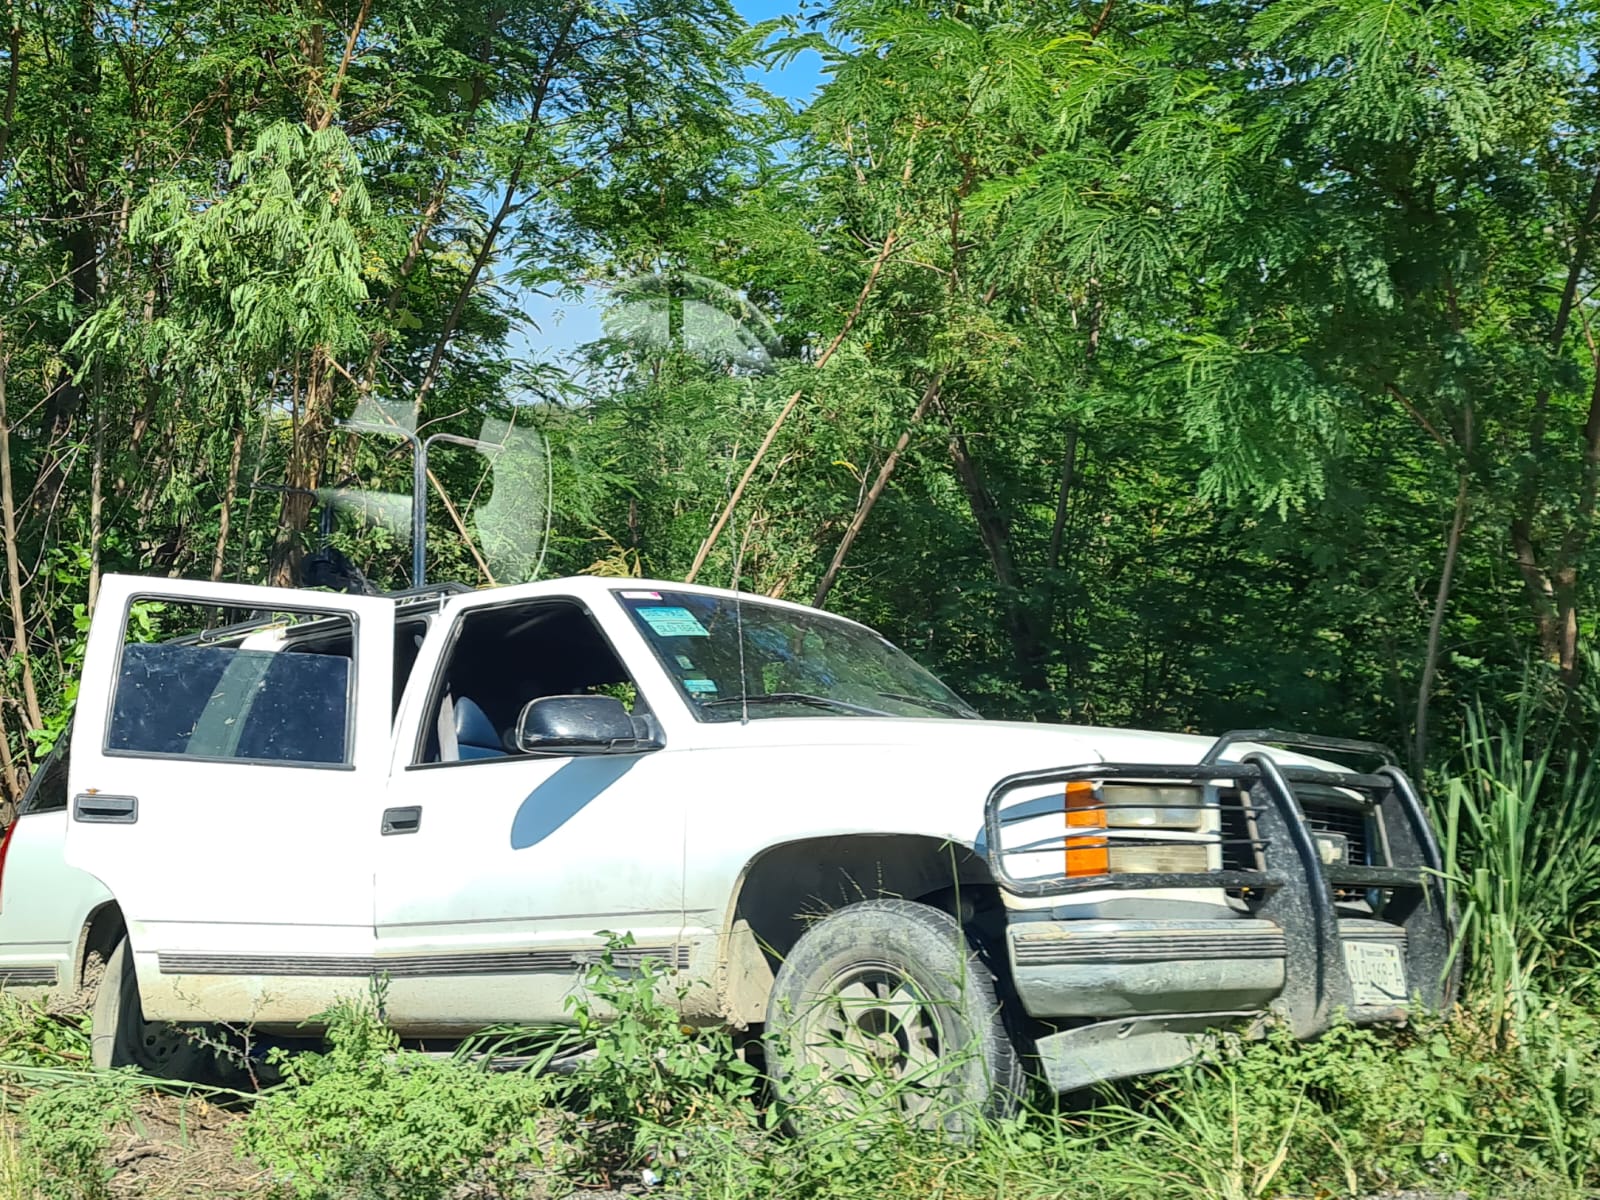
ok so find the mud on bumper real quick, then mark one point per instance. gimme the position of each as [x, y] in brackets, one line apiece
[1334, 903]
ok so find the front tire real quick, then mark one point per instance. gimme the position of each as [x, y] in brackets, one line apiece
[121, 1037]
[883, 1006]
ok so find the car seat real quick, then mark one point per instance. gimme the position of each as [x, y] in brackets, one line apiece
[476, 736]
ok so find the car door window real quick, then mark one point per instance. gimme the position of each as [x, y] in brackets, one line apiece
[281, 692]
[502, 657]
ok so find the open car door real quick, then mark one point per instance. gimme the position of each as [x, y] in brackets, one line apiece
[227, 786]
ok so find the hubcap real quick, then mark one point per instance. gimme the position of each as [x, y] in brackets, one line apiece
[159, 1044]
[875, 1037]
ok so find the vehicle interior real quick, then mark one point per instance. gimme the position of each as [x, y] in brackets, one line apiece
[500, 659]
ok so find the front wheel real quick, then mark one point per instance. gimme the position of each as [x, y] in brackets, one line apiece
[883, 1006]
[121, 1037]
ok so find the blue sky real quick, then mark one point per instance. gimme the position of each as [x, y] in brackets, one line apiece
[557, 327]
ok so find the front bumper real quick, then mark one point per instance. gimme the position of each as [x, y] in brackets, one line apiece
[1129, 968]
[1152, 991]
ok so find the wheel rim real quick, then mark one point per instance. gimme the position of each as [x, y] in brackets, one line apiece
[878, 1041]
[159, 1044]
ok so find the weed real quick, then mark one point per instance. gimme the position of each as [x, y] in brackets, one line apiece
[68, 1123]
[651, 1084]
[1434, 1105]
[369, 1119]
[1520, 827]
[19, 1173]
[32, 1035]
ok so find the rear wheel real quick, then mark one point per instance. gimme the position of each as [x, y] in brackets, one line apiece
[121, 1036]
[885, 1007]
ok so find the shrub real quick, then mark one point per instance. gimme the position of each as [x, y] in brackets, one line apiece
[19, 1173]
[372, 1120]
[651, 1087]
[68, 1123]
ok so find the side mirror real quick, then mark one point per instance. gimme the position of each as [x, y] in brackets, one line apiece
[581, 725]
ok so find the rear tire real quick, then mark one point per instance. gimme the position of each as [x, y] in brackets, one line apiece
[885, 1006]
[121, 1037]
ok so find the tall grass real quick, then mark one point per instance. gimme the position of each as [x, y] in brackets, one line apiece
[1519, 819]
[19, 1175]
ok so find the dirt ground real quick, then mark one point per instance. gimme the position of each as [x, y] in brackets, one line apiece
[178, 1146]
[184, 1147]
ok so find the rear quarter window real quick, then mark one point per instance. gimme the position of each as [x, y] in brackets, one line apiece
[47, 792]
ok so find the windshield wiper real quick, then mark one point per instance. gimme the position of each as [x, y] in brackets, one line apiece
[939, 706]
[805, 698]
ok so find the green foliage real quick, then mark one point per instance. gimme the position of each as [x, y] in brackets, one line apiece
[32, 1035]
[1431, 1106]
[19, 1171]
[1520, 827]
[650, 1085]
[68, 1124]
[1205, 311]
[372, 1120]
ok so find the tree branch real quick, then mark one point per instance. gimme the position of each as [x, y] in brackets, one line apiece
[783, 415]
[344, 65]
[930, 396]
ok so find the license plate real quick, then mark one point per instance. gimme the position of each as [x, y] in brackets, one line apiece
[1377, 972]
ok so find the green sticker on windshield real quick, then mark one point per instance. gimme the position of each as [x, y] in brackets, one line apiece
[701, 687]
[672, 622]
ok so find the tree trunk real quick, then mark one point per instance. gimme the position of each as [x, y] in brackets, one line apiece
[930, 396]
[9, 779]
[8, 530]
[822, 360]
[1069, 471]
[1552, 583]
[97, 494]
[306, 451]
[230, 492]
[508, 205]
[77, 207]
[1430, 661]
[996, 535]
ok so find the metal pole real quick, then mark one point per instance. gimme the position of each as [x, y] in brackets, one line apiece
[419, 511]
[419, 492]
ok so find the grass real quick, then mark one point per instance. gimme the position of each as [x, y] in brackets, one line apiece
[1501, 1101]
[1520, 817]
[18, 1170]
[1438, 1106]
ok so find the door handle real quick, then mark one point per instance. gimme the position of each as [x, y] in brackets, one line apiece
[96, 809]
[402, 820]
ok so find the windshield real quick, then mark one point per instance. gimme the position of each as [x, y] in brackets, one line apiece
[795, 663]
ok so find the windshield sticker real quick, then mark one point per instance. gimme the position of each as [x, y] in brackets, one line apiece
[672, 622]
[685, 662]
[641, 595]
[703, 687]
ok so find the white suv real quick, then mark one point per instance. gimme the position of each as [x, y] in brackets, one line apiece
[467, 792]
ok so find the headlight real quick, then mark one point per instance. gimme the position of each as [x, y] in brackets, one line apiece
[1177, 859]
[1093, 810]
[1146, 806]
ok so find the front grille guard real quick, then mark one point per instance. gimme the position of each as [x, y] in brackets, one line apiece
[1294, 887]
